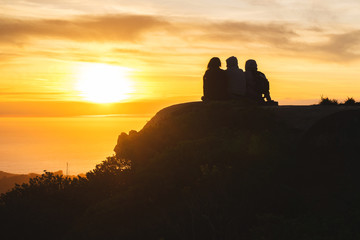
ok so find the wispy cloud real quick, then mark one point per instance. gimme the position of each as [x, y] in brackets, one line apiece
[179, 33]
[345, 46]
[4, 57]
[7, 95]
[245, 32]
[84, 28]
[287, 39]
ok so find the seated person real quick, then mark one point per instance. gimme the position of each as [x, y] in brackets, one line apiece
[236, 79]
[215, 81]
[257, 85]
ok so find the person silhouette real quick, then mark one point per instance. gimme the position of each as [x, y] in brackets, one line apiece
[236, 79]
[257, 85]
[215, 81]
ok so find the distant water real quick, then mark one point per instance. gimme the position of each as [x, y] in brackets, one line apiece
[34, 144]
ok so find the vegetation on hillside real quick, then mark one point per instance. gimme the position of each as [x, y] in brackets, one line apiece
[325, 101]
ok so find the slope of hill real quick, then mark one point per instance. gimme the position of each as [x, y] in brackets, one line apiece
[198, 120]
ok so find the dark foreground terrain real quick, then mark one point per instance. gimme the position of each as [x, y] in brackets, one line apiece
[208, 171]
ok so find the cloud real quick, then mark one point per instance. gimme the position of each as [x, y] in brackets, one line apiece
[285, 39]
[7, 94]
[263, 2]
[84, 28]
[268, 33]
[31, 93]
[8, 56]
[131, 51]
[341, 47]
[186, 36]
[345, 46]
[132, 28]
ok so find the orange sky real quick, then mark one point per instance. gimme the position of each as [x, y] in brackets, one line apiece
[306, 49]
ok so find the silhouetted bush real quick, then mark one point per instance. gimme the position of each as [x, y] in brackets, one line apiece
[351, 102]
[51, 201]
[327, 101]
[43, 204]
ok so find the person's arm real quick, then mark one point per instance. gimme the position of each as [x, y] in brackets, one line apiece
[205, 87]
[266, 86]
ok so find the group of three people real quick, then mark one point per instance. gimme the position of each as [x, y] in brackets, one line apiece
[235, 84]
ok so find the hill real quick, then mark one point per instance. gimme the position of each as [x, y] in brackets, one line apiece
[218, 170]
[223, 120]
[8, 180]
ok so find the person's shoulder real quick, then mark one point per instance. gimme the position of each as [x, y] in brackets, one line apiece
[261, 74]
[208, 71]
[206, 74]
[222, 71]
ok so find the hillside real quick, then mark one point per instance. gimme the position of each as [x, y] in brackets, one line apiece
[277, 161]
[218, 170]
[8, 180]
[197, 120]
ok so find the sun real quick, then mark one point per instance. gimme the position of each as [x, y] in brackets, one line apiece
[103, 83]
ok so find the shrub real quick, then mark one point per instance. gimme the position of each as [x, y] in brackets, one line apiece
[350, 101]
[327, 101]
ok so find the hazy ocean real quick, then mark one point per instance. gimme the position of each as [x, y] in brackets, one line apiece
[34, 144]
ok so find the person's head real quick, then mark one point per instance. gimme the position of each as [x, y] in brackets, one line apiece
[232, 62]
[214, 63]
[250, 65]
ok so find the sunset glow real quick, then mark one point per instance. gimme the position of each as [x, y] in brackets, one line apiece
[306, 49]
[101, 83]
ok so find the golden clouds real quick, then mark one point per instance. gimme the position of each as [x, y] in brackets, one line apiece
[160, 34]
[345, 46]
[84, 28]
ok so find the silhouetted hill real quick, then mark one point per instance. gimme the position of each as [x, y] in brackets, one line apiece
[198, 120]
[279, 161]
[219, 170]
[8, 180]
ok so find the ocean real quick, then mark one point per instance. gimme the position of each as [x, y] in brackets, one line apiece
[35, 144]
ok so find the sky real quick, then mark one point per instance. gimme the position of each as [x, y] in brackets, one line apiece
[160, 49]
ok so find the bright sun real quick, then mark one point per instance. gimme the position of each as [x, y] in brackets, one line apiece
[103, 83]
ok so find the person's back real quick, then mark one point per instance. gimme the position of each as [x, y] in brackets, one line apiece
[215, 81]
[236, 78]
[257, 83]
